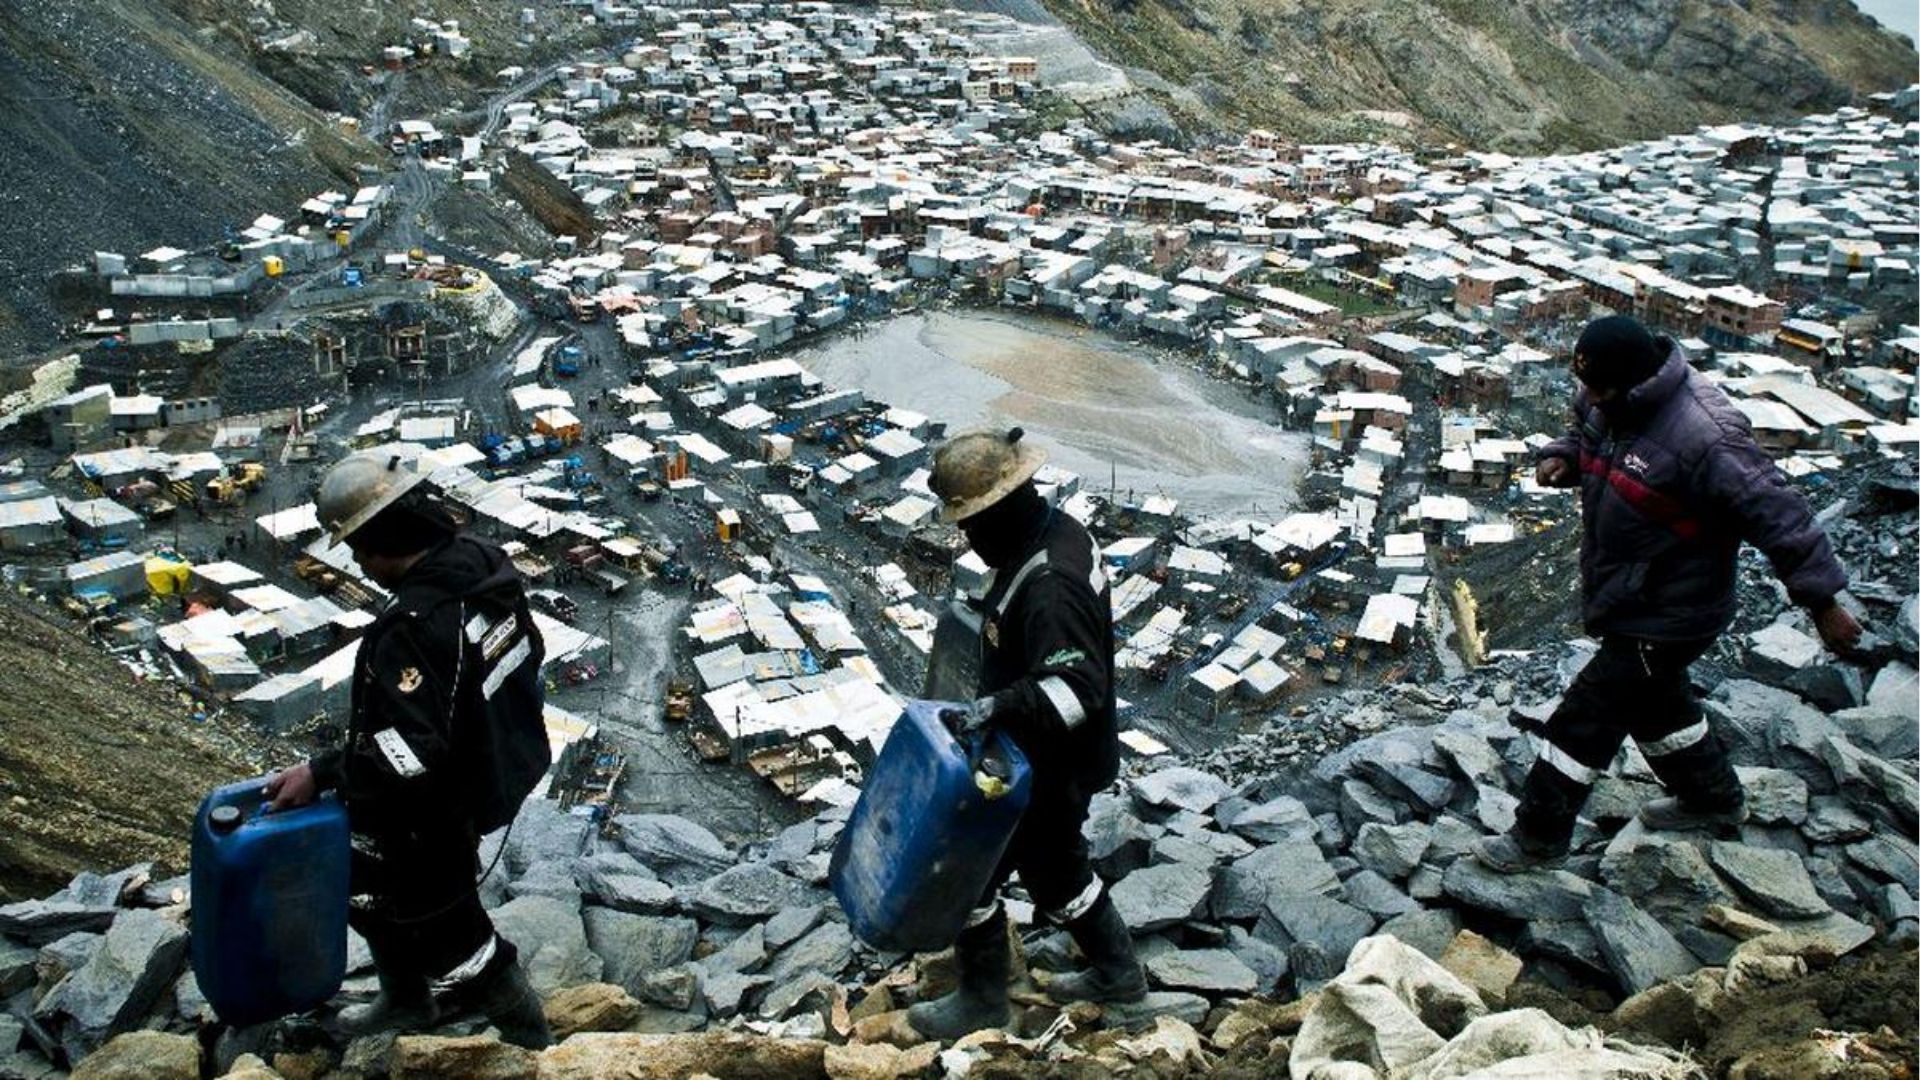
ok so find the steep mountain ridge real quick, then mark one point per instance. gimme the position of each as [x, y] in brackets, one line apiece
[1512, 75]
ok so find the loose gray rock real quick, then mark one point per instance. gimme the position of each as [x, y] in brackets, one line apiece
[1242, 888]
[1539, 894]
[1361, 802]
[16, 968]
[742, 894]
[36, 922]
[548, 877]
[106, 890]
[1118, 842]
[1885, 858]
[1392, 851]
[1411, 784]
[1832, 820]
[789, 851]
[1161, 896]
[632, 947]
[1471, 756]
[1495, 809]
[810, 990]
[1191, 1008]
[1430, 930]
[725, 992]
[792, 921]
[1213, 971]
[1774, 881]
[675, 987]
[1640, 951]
[1180, 788]
[1324, 924]
[745, 953]
[1665, 874]
[1774, 796]
[1276, 821]
[137, 962]
[542, 831]
[617, 880]
[682, 852]
[1267, 961]
[827, 949]
[1376, 895]
[1836, 933]
[552, 942]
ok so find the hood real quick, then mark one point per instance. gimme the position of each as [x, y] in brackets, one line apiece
[462, 567]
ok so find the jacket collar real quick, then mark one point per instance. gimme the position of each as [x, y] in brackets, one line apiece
[1646, 398]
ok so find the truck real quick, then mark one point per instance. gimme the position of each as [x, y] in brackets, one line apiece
[566, 361]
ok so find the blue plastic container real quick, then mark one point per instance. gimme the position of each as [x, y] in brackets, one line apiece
[924, 839]
[269, 904]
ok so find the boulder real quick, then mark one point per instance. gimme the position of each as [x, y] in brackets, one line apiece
[1666, 874]
[791, 922]
[826, 949]
[1885, 858]
[1392, 851]
[121, 887]
[1267, 961]
[1429, 930]
[682, 852]
[1314, 929]
[1180, 788]
[142, 1055]
[57, 959]
[632, 947]
[1117, 841]
[725, 992]
[590, 1007]
[548, 877]
[1276, 821]
[1640, 951]
[1427, 791]
[16, 968]
[1895, 688]
[746, 952]
[552, 943]
[1831, 687]
[136, 963]
[1774, 796]
[1777, 652]
[470, 1057]
[1133, 1015]
[1361, 802]
[1290, 869]
[1832, 820]
[673, 988]
[543, 831]
[1774, 881]
[1160, 896]
[1213, 971]
[739, 895]
[1376, 895]
[617, 880]
[1539, 894]
[1471, 756]
[36, 922]
[731, 1055]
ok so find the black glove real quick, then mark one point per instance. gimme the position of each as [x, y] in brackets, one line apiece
[968, 721]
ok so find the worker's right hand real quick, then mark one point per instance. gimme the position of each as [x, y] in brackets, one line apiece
[291, 788]
[1554, 472]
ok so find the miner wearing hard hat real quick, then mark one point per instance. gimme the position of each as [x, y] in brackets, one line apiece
[1046, 680]
[444, 739]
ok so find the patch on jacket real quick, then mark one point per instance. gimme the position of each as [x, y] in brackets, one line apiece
[1634, 463]
[409, 680]
[1064, 657]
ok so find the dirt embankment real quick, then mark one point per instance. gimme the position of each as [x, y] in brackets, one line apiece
[97, 769]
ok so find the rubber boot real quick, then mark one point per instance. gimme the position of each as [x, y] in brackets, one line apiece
[984, 963]
[502, 992]
[403, 1004]
[1113, 973]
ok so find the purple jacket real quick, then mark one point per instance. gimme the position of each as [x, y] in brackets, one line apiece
[1671, 482]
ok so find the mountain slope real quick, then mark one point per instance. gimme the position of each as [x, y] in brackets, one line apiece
[126, 127]
[1515, 75]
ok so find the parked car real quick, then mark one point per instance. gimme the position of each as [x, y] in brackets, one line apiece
[555, 603]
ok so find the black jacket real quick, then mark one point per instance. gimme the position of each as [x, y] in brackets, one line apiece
[1671, 482]
[446, 726]
[1047, 661]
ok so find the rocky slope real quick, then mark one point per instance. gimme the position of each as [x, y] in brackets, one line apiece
[96, 769]
[1512, 75]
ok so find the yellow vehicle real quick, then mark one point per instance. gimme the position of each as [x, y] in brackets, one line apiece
[239, 482]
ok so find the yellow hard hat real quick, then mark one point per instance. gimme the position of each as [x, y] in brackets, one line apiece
[974, 470]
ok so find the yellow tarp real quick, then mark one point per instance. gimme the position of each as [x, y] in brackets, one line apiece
[166, 577]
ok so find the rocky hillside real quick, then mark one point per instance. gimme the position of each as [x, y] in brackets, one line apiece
[96, 769]
[1511, 75]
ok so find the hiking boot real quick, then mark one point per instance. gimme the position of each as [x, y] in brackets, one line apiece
[1672, 815]
[512, 1005]
[984, 964]
[1505, 854]
[1113, 973]
[403, 1004]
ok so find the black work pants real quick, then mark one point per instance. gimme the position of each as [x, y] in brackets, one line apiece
[1632, 687]
[1049, 852]
[416, 902]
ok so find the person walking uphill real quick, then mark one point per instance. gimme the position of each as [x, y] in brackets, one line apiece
[1045, 679]
[444, 740]
[1671, 482]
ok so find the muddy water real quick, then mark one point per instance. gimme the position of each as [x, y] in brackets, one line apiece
[1102, 407]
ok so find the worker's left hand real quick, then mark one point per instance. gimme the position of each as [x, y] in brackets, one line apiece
[967, 721]
[290, 788]
[1838, 628]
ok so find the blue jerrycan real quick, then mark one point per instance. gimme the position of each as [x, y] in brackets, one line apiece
[269, 904]
[933, 819]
